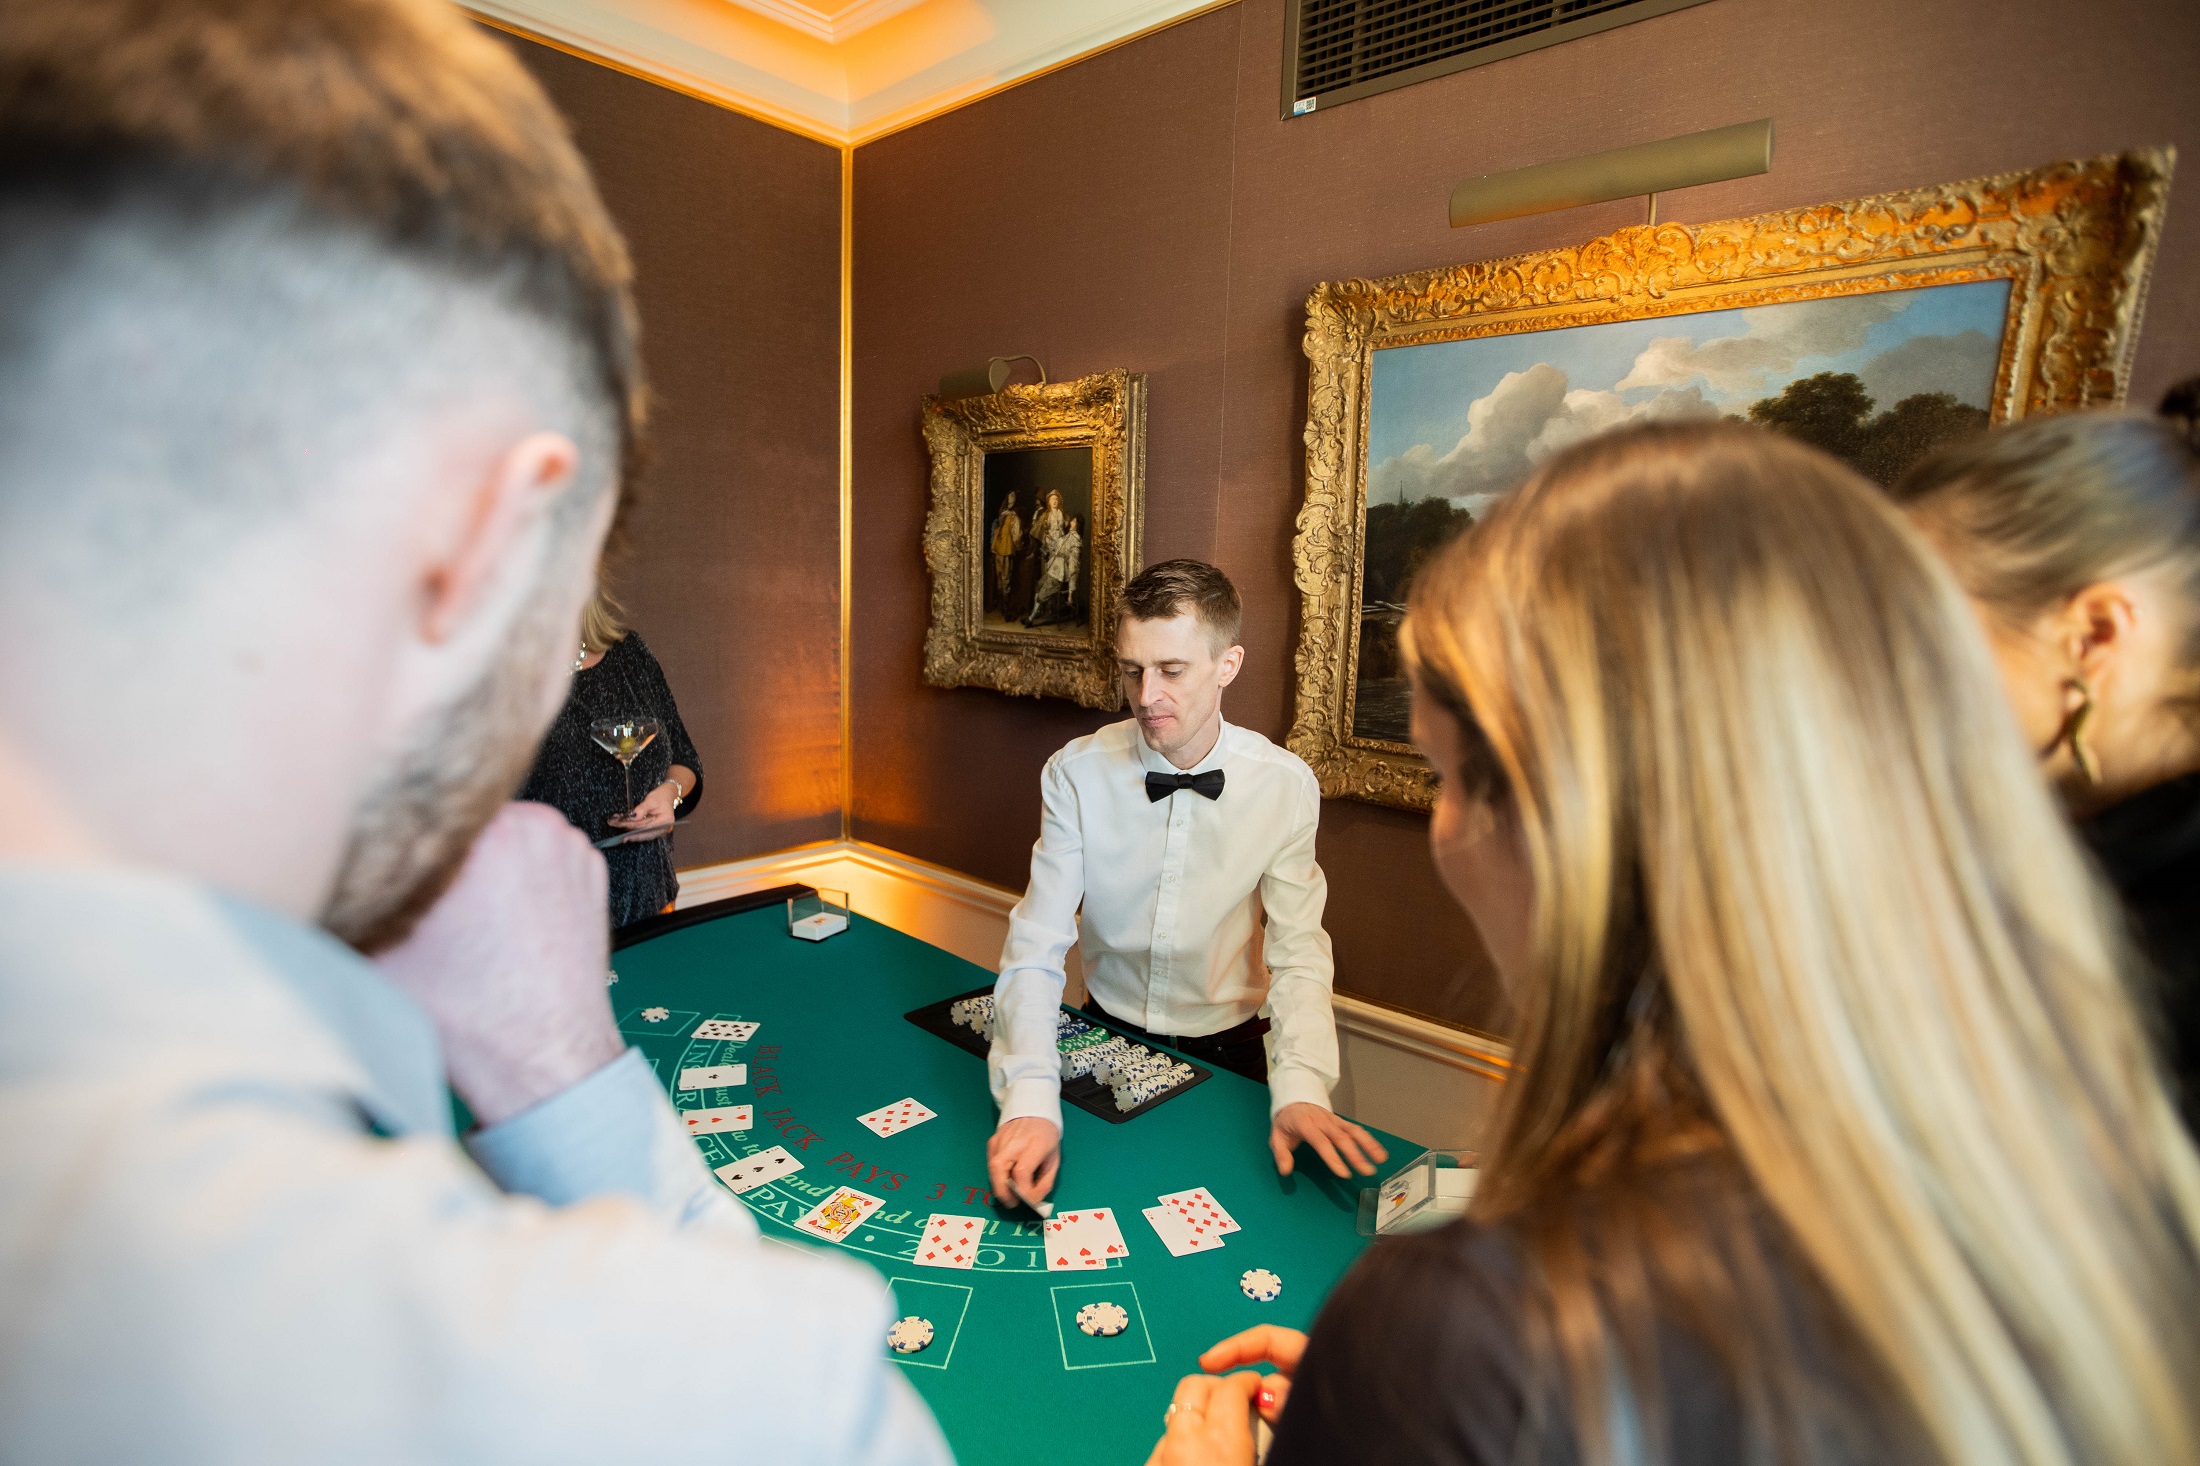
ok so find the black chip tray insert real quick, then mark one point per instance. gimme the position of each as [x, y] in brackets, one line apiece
[1085, 1092]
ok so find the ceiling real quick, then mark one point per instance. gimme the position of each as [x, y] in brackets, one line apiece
[844, 71]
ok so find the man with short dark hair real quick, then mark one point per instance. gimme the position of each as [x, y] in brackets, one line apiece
[1189, 843]
[317, 389]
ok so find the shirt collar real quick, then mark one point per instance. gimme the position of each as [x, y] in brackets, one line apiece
[380, 1027]
[1153, 763]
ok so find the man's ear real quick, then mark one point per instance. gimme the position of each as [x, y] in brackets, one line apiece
[1227, 666]
[481, 533]
[2096, 626]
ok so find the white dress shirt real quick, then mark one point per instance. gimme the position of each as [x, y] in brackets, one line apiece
[1174, 891]
[235, 1228]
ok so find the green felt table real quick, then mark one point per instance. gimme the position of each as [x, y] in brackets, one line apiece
[1009, 1375]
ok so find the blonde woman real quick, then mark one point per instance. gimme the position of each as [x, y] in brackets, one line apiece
[1834, 1137]
[2077, 539]
[615, 676]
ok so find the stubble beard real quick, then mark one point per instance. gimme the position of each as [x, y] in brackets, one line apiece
[418, 820]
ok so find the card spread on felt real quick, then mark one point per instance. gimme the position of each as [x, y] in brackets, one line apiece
[726, 1120]
[895, 1118]
[950, 1241]
[1083, 1239]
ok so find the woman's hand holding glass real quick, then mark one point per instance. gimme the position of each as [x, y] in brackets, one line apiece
[655, 809]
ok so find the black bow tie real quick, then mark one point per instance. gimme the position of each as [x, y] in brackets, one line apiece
[1161, 786]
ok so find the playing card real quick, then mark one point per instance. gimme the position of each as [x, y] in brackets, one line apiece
[895, 1118]
[726, 1029]
[750, 1172]
[950, 1241]
[717, 1076]
[1199, 1205]
[1181, 1237]
[729, 1120]
[838, 1214]
[1083, 1239]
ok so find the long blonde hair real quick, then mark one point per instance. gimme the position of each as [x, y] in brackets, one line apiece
[1802, 901]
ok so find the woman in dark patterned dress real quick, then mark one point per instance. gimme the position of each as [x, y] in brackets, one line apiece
[614, 676]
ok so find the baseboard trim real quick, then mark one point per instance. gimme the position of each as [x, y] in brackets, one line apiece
[969, 917]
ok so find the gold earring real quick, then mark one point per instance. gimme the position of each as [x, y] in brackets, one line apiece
[2074, 735]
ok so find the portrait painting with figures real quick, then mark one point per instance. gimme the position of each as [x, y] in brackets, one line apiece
[1038, 538]
[1037, 511]
[1875, 329]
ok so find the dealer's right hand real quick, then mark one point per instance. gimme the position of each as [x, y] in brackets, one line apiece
[1021, 1159]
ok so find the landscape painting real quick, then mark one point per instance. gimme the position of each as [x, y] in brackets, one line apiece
[1876, 379]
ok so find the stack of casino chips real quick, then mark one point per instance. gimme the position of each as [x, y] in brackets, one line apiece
[974, 1014]
[1086, 1047]
[1133, 1087]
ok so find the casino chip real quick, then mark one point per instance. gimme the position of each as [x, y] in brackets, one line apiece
[1105, 1319]
[1261, 1285]
[655, 1015]
[908, 1335]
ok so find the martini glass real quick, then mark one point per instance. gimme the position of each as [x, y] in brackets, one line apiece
[624, 739]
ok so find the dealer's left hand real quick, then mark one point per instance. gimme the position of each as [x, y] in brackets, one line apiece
[1210, 1422]
[655, 809]
[1335, 1140]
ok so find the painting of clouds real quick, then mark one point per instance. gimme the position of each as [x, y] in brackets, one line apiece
[1874, 379]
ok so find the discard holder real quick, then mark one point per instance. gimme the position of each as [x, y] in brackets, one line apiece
[1425, 1193]
[815, 915]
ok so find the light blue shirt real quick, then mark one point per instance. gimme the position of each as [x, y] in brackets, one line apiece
[235, 1227]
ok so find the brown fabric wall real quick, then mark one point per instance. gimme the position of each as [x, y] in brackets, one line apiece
[734, 574]
[1148, 209]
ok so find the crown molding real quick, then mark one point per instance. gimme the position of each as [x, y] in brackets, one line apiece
[844, 78]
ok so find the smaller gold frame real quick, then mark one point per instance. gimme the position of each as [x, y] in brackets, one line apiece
[2075, 241]
[969, 644]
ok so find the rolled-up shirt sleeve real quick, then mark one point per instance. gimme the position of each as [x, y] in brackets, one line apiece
[1302, 1044]
[1024, 1066]
[612, 1133]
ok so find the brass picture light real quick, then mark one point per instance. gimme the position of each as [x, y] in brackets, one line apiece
[977, 381]
[1648, 168]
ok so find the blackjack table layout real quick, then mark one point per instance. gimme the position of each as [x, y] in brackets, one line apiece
[1005, 1365]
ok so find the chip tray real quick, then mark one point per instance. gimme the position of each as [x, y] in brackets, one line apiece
[1087, 1093]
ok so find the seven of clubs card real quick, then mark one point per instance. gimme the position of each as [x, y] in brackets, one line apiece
[1083, 1239]
[838, 1214]
[750, 1172]
[894, 1118]
[950, 1241]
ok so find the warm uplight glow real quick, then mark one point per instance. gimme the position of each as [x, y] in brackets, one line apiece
[842, 71]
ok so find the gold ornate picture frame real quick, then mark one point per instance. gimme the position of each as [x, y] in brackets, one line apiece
[2058, 256]
[1038, 507]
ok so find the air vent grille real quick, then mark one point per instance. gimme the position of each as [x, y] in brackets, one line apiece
[1339, 50]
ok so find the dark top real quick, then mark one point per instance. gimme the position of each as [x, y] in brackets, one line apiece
[2150, 847]
[1421, 1357]
[586, 785]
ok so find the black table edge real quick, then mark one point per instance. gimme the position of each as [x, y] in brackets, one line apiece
[672, 921]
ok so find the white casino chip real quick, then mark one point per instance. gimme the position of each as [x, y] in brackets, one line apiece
[1261, 1285]
[1105, 1319]
[655, 1015]
[908, 1335]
